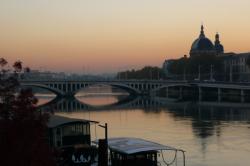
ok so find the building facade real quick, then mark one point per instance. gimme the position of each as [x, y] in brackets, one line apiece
[235, 65]
[165, 66]
[203, 46]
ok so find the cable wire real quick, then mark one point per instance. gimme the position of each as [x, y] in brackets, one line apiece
[171, 161]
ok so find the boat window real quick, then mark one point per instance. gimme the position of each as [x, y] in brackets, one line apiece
[76, 129]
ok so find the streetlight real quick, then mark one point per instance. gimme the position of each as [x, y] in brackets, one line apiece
[103, 148]
[106, 130]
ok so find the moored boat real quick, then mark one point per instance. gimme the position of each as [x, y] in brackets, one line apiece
[127, 151]
[71, 139]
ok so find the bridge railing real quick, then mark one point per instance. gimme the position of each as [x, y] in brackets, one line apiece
[100, 80]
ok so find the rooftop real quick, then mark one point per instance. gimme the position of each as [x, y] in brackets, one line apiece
[56, 120]
[129, 145]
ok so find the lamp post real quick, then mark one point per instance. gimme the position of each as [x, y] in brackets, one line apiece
[103, 148]
[106, 130]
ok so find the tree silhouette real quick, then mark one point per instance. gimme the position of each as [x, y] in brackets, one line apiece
[22, 128]
[147, 72]
[17, 66]
[3, 62]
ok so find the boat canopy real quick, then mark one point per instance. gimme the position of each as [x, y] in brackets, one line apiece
[128, 145]
[56, 120]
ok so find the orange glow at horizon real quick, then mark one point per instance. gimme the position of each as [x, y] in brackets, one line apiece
[97, 37]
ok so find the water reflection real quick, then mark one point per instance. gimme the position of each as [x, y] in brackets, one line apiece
[205, 116]
[75, 105]
[211, 132]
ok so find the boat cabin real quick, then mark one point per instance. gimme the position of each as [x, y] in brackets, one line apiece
[72, 138]
[136, 152]
[65, 131]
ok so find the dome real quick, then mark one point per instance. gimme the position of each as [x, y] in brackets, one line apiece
[218, 47]
[202, 44]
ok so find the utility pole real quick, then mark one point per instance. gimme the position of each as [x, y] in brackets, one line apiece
[103, 148]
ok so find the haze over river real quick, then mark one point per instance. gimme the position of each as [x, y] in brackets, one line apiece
[211, 133]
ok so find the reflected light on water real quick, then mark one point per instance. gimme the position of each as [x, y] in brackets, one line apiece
[97, 101]
[99, 95]
[44, 98]
[212, 135]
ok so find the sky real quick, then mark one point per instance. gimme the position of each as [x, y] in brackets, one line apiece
[99, 36]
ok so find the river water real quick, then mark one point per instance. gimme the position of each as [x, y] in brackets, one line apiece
[211, 133]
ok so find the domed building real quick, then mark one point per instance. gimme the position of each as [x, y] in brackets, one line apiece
[203, 46]
[235, 65]
[218, 47]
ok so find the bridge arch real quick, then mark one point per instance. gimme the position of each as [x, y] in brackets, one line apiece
[169, 85]
[43, 86]
[127, 88]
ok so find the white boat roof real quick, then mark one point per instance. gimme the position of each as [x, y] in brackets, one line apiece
[129, 145]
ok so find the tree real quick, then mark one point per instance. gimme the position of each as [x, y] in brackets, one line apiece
[17, 66]
[3, 62]
[22, 128]
[147, 72]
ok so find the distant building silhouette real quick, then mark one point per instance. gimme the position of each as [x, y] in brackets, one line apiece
[166, 64]
[236, 67]
[203, 46]
[218, 47]
[236, 64]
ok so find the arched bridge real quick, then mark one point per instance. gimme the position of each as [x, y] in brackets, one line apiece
[136, 87]
[70, 88]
